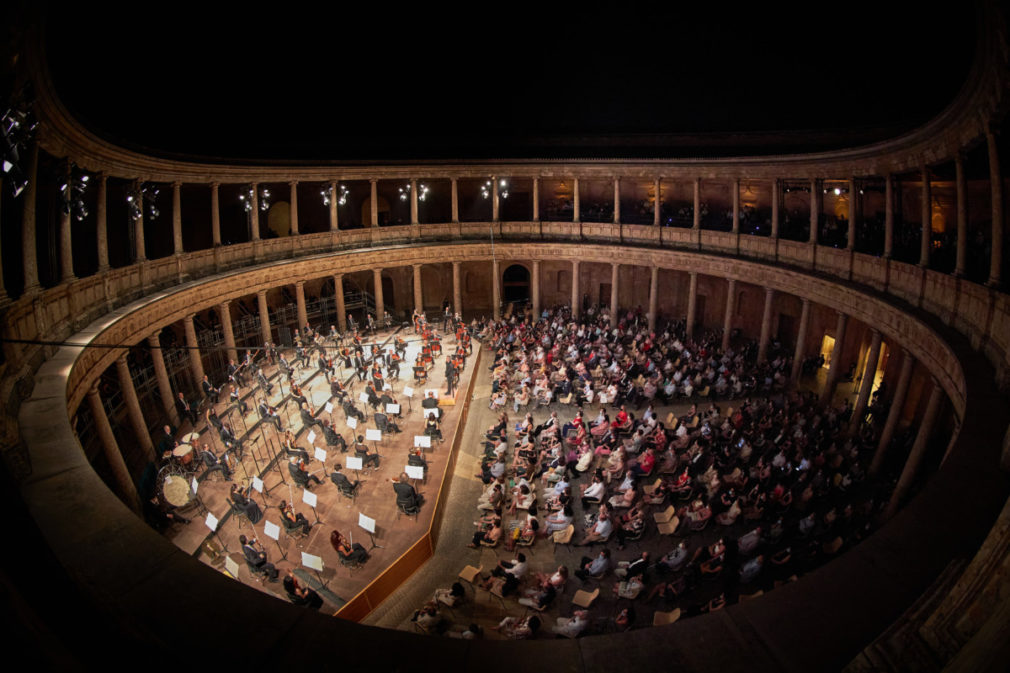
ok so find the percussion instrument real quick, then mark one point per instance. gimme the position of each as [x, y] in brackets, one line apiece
[190, 438]
[176, 491]
[183, 453]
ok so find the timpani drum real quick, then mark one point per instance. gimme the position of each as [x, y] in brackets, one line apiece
[190, 438]
[176, 491]
[183, 454]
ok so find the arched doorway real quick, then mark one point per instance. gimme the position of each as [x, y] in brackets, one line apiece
[516, 284]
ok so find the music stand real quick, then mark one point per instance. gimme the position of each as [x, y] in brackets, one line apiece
[273, 531]
[315, 563]
[422, 441]
[352, 422]
[393, 409]
[368, 523]
[230, 567]
[408, 392]
[415, 472]
[213, 522]
[257, 485]
[374, 436]
[310, 499]
[311, 437]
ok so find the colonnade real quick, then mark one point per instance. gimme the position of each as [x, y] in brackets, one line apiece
[140, 426]
[140, 252]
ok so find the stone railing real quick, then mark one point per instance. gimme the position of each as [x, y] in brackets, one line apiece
[89, 528]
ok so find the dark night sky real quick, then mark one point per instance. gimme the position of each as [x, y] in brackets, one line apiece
[504, 81]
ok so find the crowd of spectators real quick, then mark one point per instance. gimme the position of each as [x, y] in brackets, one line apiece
[753, 494]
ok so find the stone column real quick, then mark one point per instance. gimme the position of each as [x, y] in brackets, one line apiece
[261, 298]
[917, 452]
[195, 358]
[576, 216]
[454, 199]
[495, 291]
[815, 209]
[101, 222]
[125, 488]
[177, 247]
[66, 244]
[736, 206]
[961, 182]
[926, 239]
[380, 305]
[224, 312]
[338, 296]
[853, 210]
[888, 216]
[457, 290]
[161, 376]
[657, 206]
[133, 406]
[894, 415]
[727, 319]
[293, 206]
[836, 360]
[29, 256]
[535, 289]
[576, 300]
[413, 201]
[696, 223]
[776, 198]
[418, 290]
[494, 199]
[334, 223]
[215, 213]
[617, 200]
[653, 296]
[996, 192]
[614, 276]
[536, 199]
[303, 316]
[692, 302]
[866, 384]
[139, 254]
[254, 214]
[374, 202]
[766, 325]
[801, 342]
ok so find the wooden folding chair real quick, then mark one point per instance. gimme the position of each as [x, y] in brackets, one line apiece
[661, 618]
[585, 598]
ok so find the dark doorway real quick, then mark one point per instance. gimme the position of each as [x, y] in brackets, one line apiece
[516, 284]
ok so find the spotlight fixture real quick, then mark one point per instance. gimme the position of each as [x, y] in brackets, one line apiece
[17, 128]
[327, 194]
[405, 192]
[422, 191]
[247, 199]
[487, 188]
[139, 198]
[72, 192]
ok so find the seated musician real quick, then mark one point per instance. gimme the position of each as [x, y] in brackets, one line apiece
[430, 405]
[301, 475]
[341, 481]
[353, 553]
[245, 504]
[298, 395]
[257, 558]
[361, 451]
[333, 438]
[307, 418]
[337, 389]
[213, 463]
[236, 399]
[292, 449]
[407, 499]
[293, 520]
[431, 427]
[301, 595]
[209, 391]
